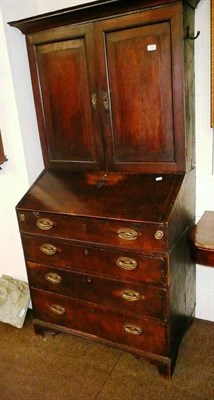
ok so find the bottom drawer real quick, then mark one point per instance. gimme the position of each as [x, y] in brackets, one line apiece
[139, 333]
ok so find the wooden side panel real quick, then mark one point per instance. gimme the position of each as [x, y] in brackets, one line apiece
[182, 291]
[189, 77]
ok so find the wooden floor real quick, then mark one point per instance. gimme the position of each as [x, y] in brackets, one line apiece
[70, 368]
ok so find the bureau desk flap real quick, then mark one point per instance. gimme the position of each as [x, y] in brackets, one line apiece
[127, 197]
[132, 211]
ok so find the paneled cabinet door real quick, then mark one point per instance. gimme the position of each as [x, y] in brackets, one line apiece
[141, 101]
[64, 81]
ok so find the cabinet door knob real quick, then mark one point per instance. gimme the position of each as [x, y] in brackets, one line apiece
[48, 249]
[53, 278]
[94, 101]
[133, 330]
[44, 223]
[130, 295]
[159, 235]
[126, 263]
[57, 309]
[127, 234]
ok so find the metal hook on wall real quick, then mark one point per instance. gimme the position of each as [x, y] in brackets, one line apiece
[188, 36]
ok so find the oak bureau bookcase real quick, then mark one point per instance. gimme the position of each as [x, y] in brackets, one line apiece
[104, 227]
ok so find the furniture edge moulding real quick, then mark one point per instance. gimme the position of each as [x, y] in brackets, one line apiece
[3, 158]
[89, 12]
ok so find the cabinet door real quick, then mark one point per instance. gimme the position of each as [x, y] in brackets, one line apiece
[139, 105]
[62, 65]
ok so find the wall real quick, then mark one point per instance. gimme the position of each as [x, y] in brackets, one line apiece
[20, 135]
[204, 152]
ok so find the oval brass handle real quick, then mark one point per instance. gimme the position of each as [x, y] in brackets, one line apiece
[130, 295]
[53, 278]
[57, 309]
[127, 234]
[133, 330]
[48, 249]
[126, 263]
[44, 223]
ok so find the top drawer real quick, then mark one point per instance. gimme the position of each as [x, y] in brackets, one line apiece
[131, 235]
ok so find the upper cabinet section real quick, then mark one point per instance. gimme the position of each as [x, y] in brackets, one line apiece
[109, 86]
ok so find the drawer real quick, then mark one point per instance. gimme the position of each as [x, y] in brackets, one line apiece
[128, 267]
[122, 296]
[122, 234]
[139, 333]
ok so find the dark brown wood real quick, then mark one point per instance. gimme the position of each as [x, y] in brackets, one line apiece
[202, 240]
[86, 12]
[100, 322]
[105, 226]
[128, 62]
[63, 84]
[133, 299]
[100, 262]
[140, 84]
[115, 196]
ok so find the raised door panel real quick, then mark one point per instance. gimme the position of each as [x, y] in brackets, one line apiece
[66, 86]
[140, 62]
[141, 93]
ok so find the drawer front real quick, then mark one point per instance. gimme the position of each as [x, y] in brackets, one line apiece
[135, 236]
[119, 265]
[122, 296]
[139, 333]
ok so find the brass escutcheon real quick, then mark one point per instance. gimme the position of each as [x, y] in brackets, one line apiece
[126, 263]
[53, 278]
[127, 234]
[44, 223]
[57, 309]
[130, 295]
[48, 249]
[133, 330]
[106, 101]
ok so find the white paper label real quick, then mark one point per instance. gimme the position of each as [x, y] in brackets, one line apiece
[151, 47]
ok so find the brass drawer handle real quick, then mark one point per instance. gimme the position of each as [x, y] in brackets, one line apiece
[53, 278]
[126, 263]
[48, 249]
[130, 295]
[57, 309]
[127, 234]
[133, 330]
[44, 223]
